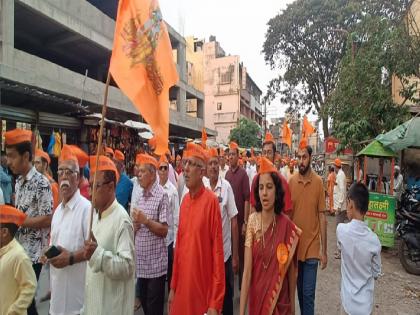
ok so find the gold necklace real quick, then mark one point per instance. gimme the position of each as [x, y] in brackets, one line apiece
[265, 265]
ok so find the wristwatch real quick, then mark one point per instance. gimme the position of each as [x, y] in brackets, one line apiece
[71, 259]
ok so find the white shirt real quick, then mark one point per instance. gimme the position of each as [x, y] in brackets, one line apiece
[228, 210]
[222, 172]
[136, 193]
[110, 275]
[251, 171]
[360, 265]
[69, 229]
[340, 191]
[173, 211]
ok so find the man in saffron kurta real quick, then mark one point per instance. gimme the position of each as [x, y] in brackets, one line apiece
[198, 279]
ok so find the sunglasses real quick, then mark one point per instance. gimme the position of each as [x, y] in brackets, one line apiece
[163, 168]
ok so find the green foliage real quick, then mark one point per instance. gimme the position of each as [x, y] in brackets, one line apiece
[361, 105]
[246, 134]
[306, 43]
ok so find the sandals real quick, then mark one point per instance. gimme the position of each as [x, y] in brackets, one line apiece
[337, 255]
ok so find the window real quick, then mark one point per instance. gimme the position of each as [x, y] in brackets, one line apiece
[219, 106]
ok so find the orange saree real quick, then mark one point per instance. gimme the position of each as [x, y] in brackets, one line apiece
[273, 281]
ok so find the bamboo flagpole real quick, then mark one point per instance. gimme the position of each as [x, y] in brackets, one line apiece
[98, 151]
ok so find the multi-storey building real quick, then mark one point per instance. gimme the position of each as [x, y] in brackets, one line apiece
[230, 92]
[54, 58]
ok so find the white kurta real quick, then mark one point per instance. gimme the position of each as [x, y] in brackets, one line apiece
[69, 229]
[110, 276]
[340, 191]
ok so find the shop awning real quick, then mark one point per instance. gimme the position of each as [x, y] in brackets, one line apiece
[376, 149]
[146, 135]
[138, 125]
[402, 137]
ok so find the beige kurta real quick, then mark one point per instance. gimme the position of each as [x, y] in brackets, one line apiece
[110, 276]
[17, 278]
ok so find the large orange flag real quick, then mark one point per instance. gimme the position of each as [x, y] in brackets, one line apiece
[142, 64]
[286, 135]
[307, 128]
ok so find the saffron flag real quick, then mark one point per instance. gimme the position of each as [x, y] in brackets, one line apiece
[142, 63]
[286, 135]
[307, 128]
[204, 138]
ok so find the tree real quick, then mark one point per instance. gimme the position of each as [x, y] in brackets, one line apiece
[363, 104]
[306, 43]
[246, 134]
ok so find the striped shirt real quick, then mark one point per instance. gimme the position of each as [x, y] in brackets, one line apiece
[151, 250]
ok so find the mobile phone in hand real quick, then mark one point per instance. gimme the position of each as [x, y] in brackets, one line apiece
[52, 252]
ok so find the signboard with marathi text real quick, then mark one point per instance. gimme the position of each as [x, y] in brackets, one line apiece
[381, 217]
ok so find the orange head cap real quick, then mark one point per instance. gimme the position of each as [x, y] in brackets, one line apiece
[104, 164]
[81, 155]
[119, 156]
[43, 154]
[194, 150]
[9, 214]
[268, 138]
[337, 162]
[17, 136]
[266, 166]
[67, 154]
[147, 159]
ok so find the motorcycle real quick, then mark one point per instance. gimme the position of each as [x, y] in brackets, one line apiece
[408, 230]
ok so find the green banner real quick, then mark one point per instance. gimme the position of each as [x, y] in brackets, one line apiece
[381, 217]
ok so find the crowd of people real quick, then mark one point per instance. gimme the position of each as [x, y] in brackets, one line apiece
[187, 224]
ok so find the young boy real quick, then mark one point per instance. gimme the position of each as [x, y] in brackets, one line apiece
[18, 281]
[360, 255]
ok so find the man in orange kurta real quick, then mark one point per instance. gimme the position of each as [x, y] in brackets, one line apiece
[198, 279]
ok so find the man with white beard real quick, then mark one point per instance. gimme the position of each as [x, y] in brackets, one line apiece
[69, 230]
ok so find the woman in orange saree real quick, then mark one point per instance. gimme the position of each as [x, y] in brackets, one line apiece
[270, 271]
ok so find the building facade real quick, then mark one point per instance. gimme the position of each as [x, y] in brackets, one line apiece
[229, 91]
[54, 59]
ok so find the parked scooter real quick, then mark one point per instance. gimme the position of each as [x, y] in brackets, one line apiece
[408, 229]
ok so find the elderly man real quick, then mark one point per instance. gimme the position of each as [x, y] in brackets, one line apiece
[224, 193]
[124, 185]
[33, 197]
[150, 217]
[198, 284]
[41, 162]
[238, 179]
[110, 276]
[173, 212]
[69, 231]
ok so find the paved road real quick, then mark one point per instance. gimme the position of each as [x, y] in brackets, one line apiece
[396, 292]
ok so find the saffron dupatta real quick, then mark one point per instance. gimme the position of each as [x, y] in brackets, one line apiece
[271, 291]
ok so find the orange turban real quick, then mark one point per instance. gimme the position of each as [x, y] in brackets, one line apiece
[163, 159]
[67, 154]
[268, 138]
[81, 155]
[146, 159]
[266, 166]
[212, 153]
[337, 162]
[9, 214]
[119, 156]
[104, 164]
[109, 151]
[233, 145]
[303, 143]
[194, 150]
[43, 154]
[16, 136]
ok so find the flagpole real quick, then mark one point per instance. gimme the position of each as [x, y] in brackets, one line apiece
[98, 150]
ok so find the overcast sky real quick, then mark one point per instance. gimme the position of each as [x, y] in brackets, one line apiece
[239, 26]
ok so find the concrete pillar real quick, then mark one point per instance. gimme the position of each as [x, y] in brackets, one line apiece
[182, 62]
[7, 31]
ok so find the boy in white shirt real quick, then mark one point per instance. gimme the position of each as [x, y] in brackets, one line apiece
[360, 255]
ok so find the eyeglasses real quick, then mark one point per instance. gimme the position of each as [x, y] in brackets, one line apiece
[163, 168]
[65, 171]
[98, 185]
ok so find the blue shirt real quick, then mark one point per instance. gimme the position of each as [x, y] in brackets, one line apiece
[124, 190]
[6, 185]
